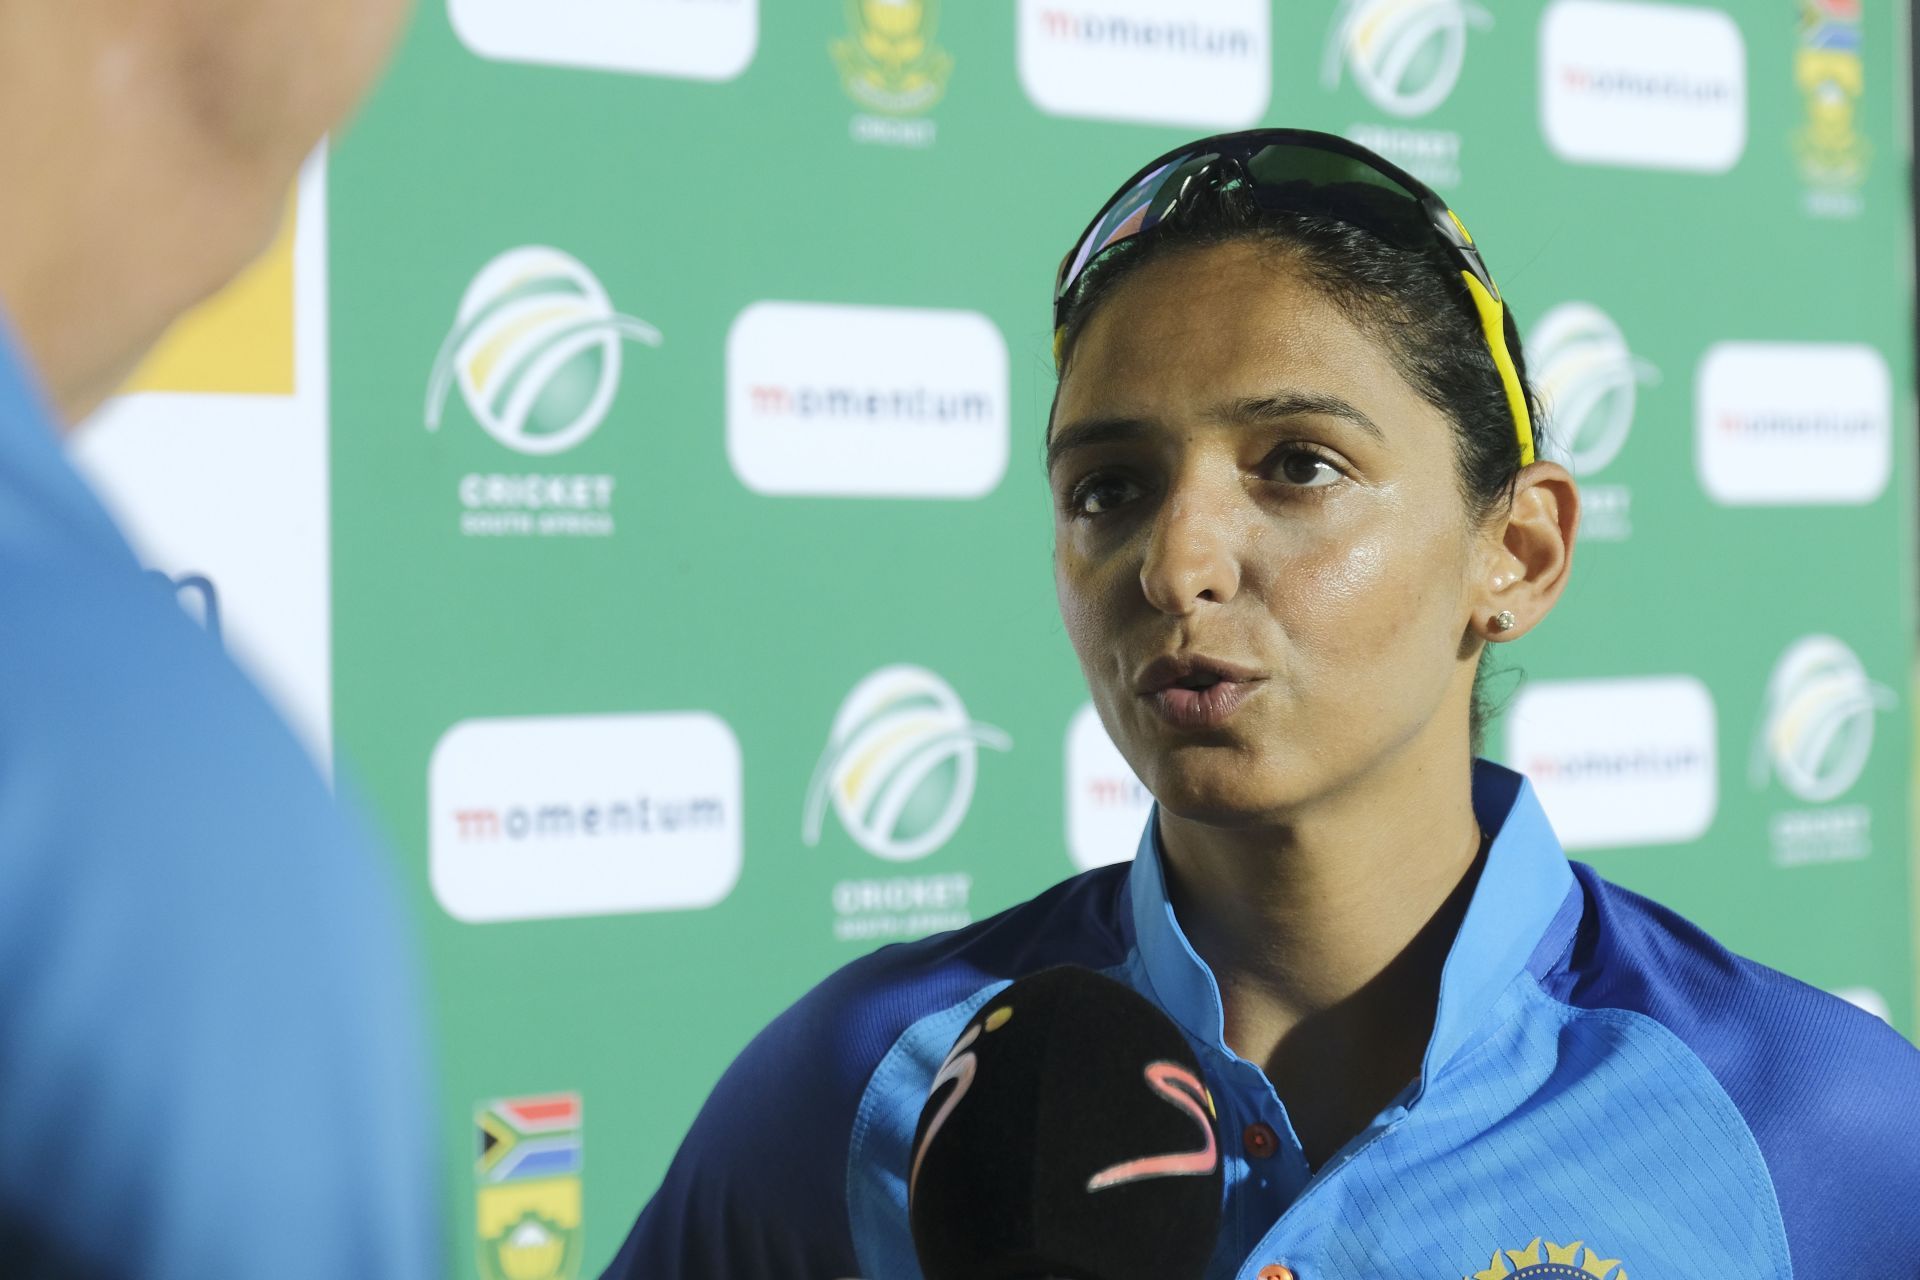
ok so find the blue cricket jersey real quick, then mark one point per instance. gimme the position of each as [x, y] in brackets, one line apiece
[212, 1061]
[1607, 1093]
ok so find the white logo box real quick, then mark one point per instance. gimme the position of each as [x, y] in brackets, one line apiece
[1654, 86]
[1625, 761]
[1186, 62]
[1793, 423]
[535, 817]
[832, 400]
[689, 39]
[1107, 806]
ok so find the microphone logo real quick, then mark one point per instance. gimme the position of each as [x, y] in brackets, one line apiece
[1181, 1089]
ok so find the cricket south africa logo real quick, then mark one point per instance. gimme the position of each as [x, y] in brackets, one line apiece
[1406, 55]
[1588, 378]
[1817, 730]
[900, 764]
[535, 349]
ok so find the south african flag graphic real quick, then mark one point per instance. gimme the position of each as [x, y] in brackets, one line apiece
[527, 1177]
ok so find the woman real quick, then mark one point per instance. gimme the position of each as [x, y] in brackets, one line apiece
[1292, 457]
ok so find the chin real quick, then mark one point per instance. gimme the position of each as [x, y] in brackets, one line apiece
[1222, 786]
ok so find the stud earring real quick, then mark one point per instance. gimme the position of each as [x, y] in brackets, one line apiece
[1503, 620]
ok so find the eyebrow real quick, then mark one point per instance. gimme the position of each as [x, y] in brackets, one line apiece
[1084, 435]
[1296, 404]
[1267, 408]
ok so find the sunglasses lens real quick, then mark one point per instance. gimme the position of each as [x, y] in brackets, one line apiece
[1137, 208]
[1316, 180]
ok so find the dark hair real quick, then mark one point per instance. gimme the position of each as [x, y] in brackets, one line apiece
[1413, 301]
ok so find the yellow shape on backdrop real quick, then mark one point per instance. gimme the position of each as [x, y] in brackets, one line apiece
[238, 342]
[529, 1230]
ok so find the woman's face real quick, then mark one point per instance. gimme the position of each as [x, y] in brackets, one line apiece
[1261, 550]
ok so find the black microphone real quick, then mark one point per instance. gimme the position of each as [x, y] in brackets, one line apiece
[1067, 1134]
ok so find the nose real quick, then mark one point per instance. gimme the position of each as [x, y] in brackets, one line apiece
[1191, 557]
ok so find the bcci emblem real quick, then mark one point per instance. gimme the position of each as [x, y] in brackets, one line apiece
[527, 1178]
[535, 351]
[1817, 730]
[900, 764]
[1562, 1262]
[1827, 67]
[1406, 55]
[889, 62]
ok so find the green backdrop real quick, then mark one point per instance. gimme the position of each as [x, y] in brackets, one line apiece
[613, 902]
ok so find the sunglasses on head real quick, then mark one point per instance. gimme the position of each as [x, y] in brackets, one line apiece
[1299, 170]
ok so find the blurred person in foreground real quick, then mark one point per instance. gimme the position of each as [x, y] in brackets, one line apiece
[212, 1060]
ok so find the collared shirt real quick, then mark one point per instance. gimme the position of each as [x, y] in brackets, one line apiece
[211, 1058]
[1606, 1093]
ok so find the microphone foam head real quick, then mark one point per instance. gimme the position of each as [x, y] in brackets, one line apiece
[1069, 1133]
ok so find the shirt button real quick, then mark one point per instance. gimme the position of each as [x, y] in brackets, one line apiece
[1274, 1271]
[1261, 1143]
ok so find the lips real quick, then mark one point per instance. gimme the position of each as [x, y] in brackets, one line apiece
[1194, 691]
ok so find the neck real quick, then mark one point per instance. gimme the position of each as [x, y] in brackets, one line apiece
[1326, 929]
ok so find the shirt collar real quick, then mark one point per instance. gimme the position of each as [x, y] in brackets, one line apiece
[1521, 888]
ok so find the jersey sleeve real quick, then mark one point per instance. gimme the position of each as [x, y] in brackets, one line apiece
[214, 1060]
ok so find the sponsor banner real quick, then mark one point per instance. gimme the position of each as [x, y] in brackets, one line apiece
[1107, 806]
[527, 1175]
[690, 39]
[535, 817]
[1653, 86]
[1621, 761]
[829, 400]
[1793, 423]
[899, 766]
[1186, 62]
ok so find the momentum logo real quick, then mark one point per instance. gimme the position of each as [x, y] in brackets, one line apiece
[1615, 762]
[542, 816]
[694, 39]
[900, 764]
[871, 402]
[1657, 86]
[1198, 62]
[1793, 423]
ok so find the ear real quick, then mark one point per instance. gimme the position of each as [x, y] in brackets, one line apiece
[1525, 555]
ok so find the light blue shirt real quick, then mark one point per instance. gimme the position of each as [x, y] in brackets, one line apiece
[212, 1058]
[1606, 1092]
